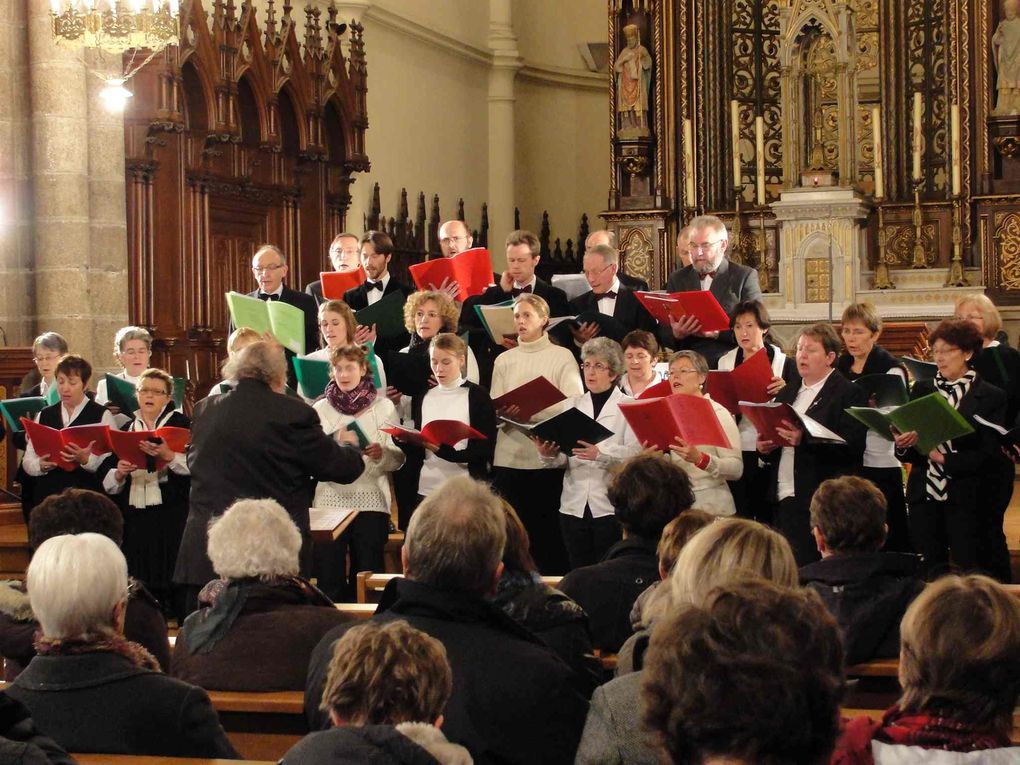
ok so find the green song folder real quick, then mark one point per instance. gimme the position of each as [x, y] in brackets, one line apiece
[13, 409]
[931, 416]
[283, 321]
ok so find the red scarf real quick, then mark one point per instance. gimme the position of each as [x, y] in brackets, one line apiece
[354, 401]
[907, 729]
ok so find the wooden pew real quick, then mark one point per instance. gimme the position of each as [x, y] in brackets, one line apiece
[261, 726]
[370, 585]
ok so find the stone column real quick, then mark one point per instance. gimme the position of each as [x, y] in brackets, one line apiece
[505, 63]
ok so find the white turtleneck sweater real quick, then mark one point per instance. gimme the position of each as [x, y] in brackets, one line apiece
[540, 358]
[443, 402]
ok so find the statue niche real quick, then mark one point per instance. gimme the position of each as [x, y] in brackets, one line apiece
[633, 77]
[1006, 55]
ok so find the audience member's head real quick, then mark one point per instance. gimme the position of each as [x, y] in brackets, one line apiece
[517, 551]
[254, 538]
[960, 653]
[676, 534]
[75, 511]
[751, 676]
[848, 516]
[727, 551]
[647, 493]
[77, 586]
[456, 537]
[263, 361]
[387, 674]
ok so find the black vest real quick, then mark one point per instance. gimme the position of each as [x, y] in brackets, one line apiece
[56, 480]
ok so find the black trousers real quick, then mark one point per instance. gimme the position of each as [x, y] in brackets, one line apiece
[793, 520]
[890, 482]
[365, 539]
[535, 495]
[751, 490]
[588, 538]
[993, 500]
[941, 529]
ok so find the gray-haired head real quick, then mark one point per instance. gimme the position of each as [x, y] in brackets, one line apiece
[605, 350]
[254, 538]
[263, 361]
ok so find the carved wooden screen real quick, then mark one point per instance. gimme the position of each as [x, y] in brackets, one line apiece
[240, 136]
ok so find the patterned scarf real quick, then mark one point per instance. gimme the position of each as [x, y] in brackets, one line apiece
[105, 641]
[353, 401]
[936, 484]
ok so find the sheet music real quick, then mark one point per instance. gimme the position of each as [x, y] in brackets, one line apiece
[327, 518]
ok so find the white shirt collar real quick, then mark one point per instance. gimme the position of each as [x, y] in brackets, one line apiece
[384, 281]
[816, 386]
[614, 287]
[532, 283]
[277, 291]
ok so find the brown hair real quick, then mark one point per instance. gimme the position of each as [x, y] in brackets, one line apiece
[754, 307]
[517, 552]
[448, 309]
[958, 332]
[386, 674]
[380, 241]
[355, 353]
[346, 315]
[451, 343]
[73, 365]
[649, 491]
[850, 514]
[520, 236]
[75, 511]
[960, 652]
[639, 338]
[825, 334]
[677, 533]
[863, 313]
[157, 374]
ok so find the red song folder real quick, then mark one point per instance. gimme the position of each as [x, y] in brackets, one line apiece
[700, 303]
[336, 283]
[471, 269]
[437, 432]
[767, 417]
[661, 389]
[125, 443]
[659, 421]
[747, 382]
[531, 398]
[50, 441]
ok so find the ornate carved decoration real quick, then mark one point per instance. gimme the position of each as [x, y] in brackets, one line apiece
[1007, 145]
[1007, 240]
[900, 244]
[638, 252]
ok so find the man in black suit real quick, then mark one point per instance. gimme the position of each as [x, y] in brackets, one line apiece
[709, 269]
[608, 297]
[255, 442]
[270, 269]
[343, 256]
[800, 465]
[376, 254]
[609, 238]
[522, 258]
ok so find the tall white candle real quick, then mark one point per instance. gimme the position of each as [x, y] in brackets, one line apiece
[954, 123]
[735, 140]
[918, 109]
[759, 156]
[688, 163]
[876, 137]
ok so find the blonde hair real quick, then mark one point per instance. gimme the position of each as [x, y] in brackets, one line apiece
[451, 343]
[240, 338]
[863, 313]
[989, 312]
[346, 315]
[726, 551]
[535, 301]
[355, 353]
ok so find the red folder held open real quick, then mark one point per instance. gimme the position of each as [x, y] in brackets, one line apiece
[125, 443]
[661, 389]
[436, 433]
[659, 421]
[50, 441]
[747, 382]
[336, 283]
[700, 303]
[531, 398]
[471, 269]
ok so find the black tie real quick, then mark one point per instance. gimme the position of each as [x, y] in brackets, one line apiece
[520, 291]
[266, 296]
[374, 285]
[611, 295]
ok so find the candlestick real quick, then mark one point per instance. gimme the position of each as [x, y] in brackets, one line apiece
[735, 141]
[759, 156]
[876, 137]
[883, 279]
[919, 259]
[918, 109]
[954, 131]
[956, 277]
[689, 162]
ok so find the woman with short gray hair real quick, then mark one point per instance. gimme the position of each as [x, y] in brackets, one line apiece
[132, 347]
[587, 519]
[88, 687]
[257, 625]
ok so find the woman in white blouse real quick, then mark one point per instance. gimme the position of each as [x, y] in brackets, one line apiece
[132, 347]
[640, 352]
[351, 403]
[708, 467]
[587, 519]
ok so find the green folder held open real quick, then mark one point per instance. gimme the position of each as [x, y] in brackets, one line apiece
[283, 321]
[52, 394]
[931, 416]
[387, 315]
[121, 394]
[13, 409]
[312, 376]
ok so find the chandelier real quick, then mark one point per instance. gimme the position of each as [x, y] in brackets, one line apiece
[115, 26]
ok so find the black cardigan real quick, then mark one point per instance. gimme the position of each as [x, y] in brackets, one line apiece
[478, 453]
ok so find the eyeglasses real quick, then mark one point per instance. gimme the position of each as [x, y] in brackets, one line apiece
[135, 352]
[153, 392]
[597, 366]
[592, 273]
[426, 315]
[266, 269]
[678, 372]
[944, 350]
[450, 239]
[45, 359]
[693, 249]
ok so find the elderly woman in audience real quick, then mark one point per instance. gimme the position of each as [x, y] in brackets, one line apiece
[728, 551]
[718, 692]
[708, 467]
[132, 347]
[544, 610]
[860, 327]
[385, 693]
[999, 365]
[750, 323]
[640, 352]
[257, 625]
[90, 688]
[945, 485]
[517, 471]
[960, 672]
[648, 492]
[76, 511]
[153, 496]
[239, 339]
[339, 330]
[587, 520]
[353, 412]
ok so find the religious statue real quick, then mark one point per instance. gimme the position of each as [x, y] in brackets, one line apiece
[1006, 47]
[633, 76]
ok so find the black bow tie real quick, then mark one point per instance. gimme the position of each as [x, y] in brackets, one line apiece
[710, 274]
[611, 295]
[266, 296]
[520, 291]
[370, 285]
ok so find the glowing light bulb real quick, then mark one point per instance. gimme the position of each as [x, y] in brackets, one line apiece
[114, 95]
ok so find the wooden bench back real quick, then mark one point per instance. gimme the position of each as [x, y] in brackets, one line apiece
[370, 585]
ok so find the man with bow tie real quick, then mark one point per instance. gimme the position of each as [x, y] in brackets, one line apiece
[269, 266]
[376, 254]
[709, 269]
[607, 297]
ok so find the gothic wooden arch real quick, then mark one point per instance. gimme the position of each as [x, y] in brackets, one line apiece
[200, 200]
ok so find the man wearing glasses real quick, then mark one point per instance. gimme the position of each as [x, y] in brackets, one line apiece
[344, 255]
[454, 238]
[709, 269]
[607, 297]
